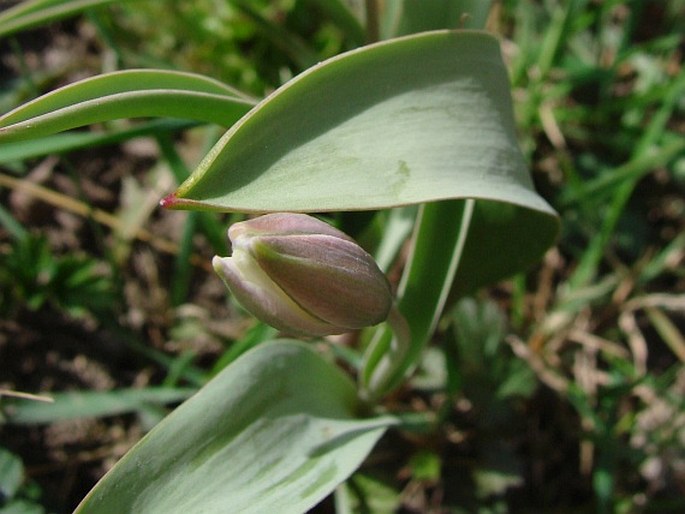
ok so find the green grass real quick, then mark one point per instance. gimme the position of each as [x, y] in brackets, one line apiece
[556, 391]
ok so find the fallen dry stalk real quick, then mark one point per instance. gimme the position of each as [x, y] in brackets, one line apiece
[67, 203]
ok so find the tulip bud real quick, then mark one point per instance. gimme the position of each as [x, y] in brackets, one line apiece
[303, 276]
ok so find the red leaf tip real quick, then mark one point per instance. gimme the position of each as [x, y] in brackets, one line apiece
[169, 201]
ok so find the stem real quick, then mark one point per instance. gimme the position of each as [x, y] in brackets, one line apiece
[393, 359]
[372, 27]
[439, 241]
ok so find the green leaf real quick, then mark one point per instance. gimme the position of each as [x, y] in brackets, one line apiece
[124, 94]
[84, 404]
[11, 474]
[439, 240]
[412, 16]
[11, 225]
[22, 507]
[276, 431]
[415, 119]
[459, 246]
[70, 141]
[26, 15]
[502, 239]
[363, 494]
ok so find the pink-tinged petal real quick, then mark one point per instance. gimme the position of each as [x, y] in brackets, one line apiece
[303, 276]
[264, 299]
[332, 278]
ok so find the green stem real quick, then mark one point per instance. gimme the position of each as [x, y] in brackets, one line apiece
[439, 239]
[390, 362]
[372, 23]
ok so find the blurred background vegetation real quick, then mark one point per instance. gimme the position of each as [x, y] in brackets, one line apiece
[561, 390]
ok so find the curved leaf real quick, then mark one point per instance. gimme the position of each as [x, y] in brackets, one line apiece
[69, 141]
[30, 14]
[276, 431]
[416, 119]
[411, 16]
[124, 94]
[440, 235]
[459, 246]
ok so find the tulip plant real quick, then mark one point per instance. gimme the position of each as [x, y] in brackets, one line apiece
[418, 127]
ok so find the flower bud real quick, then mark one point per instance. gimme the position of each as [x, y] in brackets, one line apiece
[303, 276]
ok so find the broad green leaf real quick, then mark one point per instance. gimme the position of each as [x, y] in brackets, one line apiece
[84, 404]
[124, 94]
[29, 14]
[502, 239]
[276, 431]
[416, 119]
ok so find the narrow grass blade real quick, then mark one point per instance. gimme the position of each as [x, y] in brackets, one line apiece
[289, 43]
[85, 404]
[343, 17]
[11, 225]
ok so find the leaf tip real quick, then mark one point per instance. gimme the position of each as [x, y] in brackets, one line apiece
[170, 201]
[175, 202]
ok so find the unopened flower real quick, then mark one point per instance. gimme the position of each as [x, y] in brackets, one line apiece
[303, 276]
